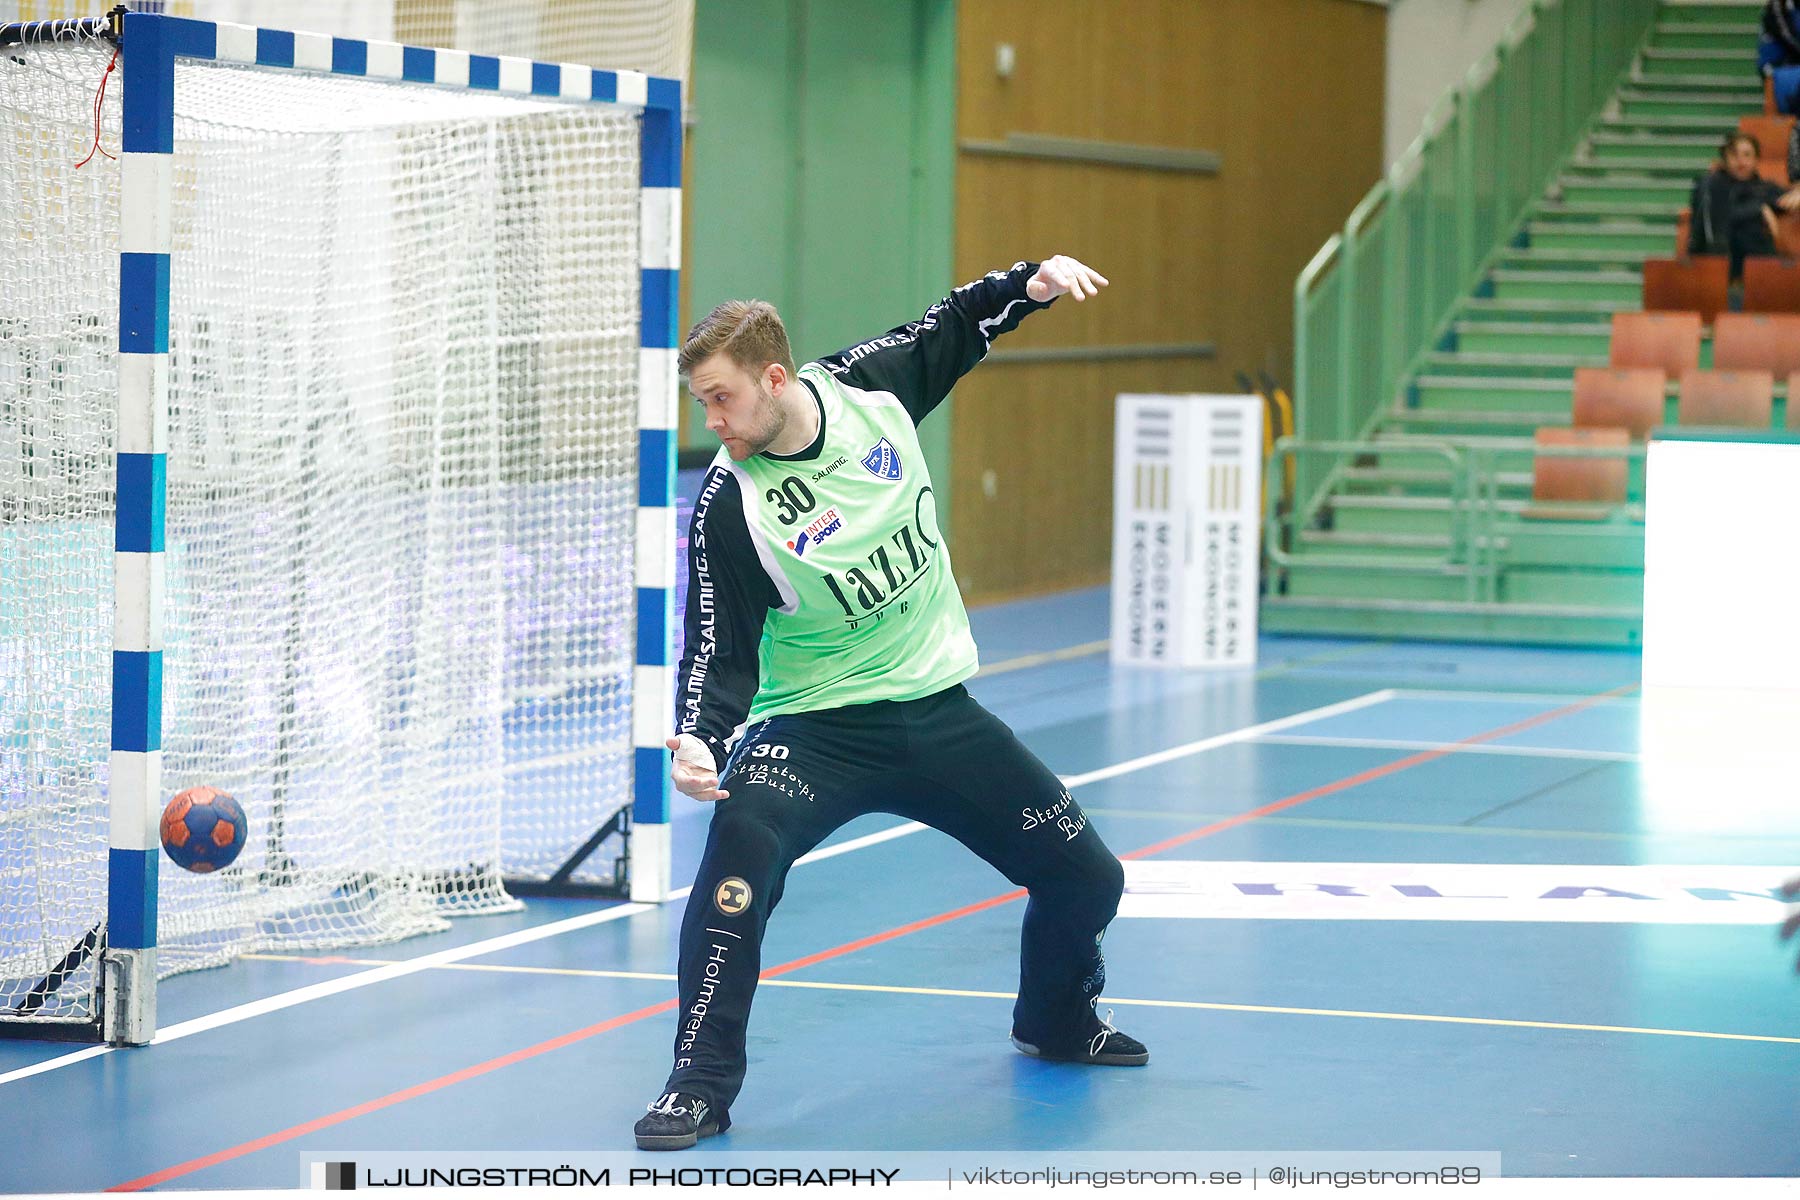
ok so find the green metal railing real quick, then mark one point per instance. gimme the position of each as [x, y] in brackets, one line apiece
[1380, 295]
[1476, 539]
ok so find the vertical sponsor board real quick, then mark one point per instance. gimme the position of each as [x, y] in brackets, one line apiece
[1186, 521]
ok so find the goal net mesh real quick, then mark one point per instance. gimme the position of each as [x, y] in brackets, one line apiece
[402, 406]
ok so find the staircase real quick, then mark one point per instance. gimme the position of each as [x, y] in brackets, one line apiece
[1425, 527]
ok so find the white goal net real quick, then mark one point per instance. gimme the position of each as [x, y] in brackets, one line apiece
[404, 330]
[652, 36]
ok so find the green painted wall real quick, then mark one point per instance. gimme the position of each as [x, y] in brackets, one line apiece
[821, 170]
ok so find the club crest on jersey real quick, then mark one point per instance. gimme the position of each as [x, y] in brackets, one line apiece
[883, 461]
[822, 527]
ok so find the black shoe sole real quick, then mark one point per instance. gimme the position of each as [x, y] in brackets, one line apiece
[1103, 1059]
[675, 1141]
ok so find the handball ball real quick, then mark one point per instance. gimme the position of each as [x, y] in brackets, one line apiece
[203, 829]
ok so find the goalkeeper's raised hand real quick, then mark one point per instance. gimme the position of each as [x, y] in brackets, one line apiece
[1059, 274]
[694, 773]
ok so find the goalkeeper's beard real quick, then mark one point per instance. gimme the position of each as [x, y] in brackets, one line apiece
[767, 422]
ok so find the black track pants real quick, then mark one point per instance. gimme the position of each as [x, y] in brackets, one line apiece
[943, 761]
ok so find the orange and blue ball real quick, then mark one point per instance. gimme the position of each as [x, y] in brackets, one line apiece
[203, 829]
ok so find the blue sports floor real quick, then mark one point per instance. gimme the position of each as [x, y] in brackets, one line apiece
[1599, 990]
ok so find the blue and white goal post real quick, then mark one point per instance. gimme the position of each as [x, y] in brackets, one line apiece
[351, 383]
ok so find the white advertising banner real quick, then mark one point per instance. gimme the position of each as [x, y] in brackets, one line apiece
[1187, 515]
[1312, 891]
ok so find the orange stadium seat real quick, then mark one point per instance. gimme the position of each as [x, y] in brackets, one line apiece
[1770, 130]
[1787, 235]
[1699, 284]
[1670, 342]
[1772, 285]
[1757, 342]
[1740, 399]
[1629, 398]
[1568, 487]
[1793, 397]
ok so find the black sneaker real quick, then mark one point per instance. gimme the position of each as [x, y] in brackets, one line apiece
[676, 1121]
[1107, 1048]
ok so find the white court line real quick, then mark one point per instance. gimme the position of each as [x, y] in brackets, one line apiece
[1248, 733]
[346, 983]
[1024, 661]
[1302, 739]
[1205, 1005]
[1558, 698]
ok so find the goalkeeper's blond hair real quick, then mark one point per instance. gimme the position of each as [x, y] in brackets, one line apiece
[748, 332]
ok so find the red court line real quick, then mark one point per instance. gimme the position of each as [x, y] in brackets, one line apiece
[392, 1098]
[1374, 773]
[568, 1039]
[890, 935]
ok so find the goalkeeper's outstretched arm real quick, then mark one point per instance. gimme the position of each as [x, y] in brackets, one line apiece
[920, 361]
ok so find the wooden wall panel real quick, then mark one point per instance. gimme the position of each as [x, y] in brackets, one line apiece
[1288, 92]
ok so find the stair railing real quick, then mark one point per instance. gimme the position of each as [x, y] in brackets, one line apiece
[1477, 543]
[1381, 294]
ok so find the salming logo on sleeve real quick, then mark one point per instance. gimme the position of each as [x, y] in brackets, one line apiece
[706, 600]
[728, 602]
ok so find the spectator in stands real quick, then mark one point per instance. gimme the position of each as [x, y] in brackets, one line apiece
[1734, 206]
[1787, 241]
[1778, 52]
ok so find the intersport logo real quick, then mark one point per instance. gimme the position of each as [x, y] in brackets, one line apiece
[823, 526]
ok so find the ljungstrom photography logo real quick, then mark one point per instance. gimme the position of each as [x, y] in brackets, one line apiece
[334, 1176]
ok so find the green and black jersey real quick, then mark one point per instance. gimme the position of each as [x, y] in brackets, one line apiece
[821, 579]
